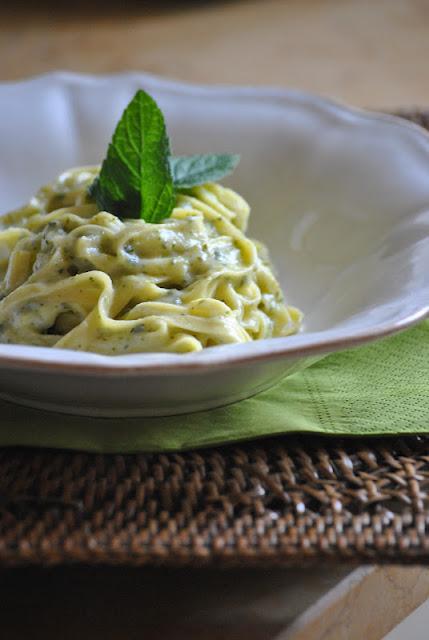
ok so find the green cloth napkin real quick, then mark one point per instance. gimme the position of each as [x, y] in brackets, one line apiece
[380, 389]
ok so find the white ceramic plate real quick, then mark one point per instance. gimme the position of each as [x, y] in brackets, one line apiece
[340, 196]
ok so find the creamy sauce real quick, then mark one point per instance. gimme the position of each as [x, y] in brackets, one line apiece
[78, 278]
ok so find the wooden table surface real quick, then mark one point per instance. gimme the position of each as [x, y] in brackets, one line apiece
[368, 52]
[329, 603]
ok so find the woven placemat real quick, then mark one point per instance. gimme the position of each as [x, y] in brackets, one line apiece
[290, 500]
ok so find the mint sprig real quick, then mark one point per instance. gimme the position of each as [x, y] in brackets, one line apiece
[139, 177]
[135, 179]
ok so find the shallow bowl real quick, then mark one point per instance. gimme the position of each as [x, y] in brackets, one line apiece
[339, 195]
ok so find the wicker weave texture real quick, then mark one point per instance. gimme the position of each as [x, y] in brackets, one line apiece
[271, 502]
[283, 501]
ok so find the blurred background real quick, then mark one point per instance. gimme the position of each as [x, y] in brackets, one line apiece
[367, 52]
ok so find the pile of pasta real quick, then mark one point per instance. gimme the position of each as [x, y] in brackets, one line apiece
[78, 278]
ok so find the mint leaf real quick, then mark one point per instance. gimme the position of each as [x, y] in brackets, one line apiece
[135, 179]
[138, 177]
[189, 171]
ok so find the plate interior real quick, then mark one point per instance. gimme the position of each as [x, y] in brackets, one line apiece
[340, 197]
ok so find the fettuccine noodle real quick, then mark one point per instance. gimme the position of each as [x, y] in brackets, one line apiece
[78, 278]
